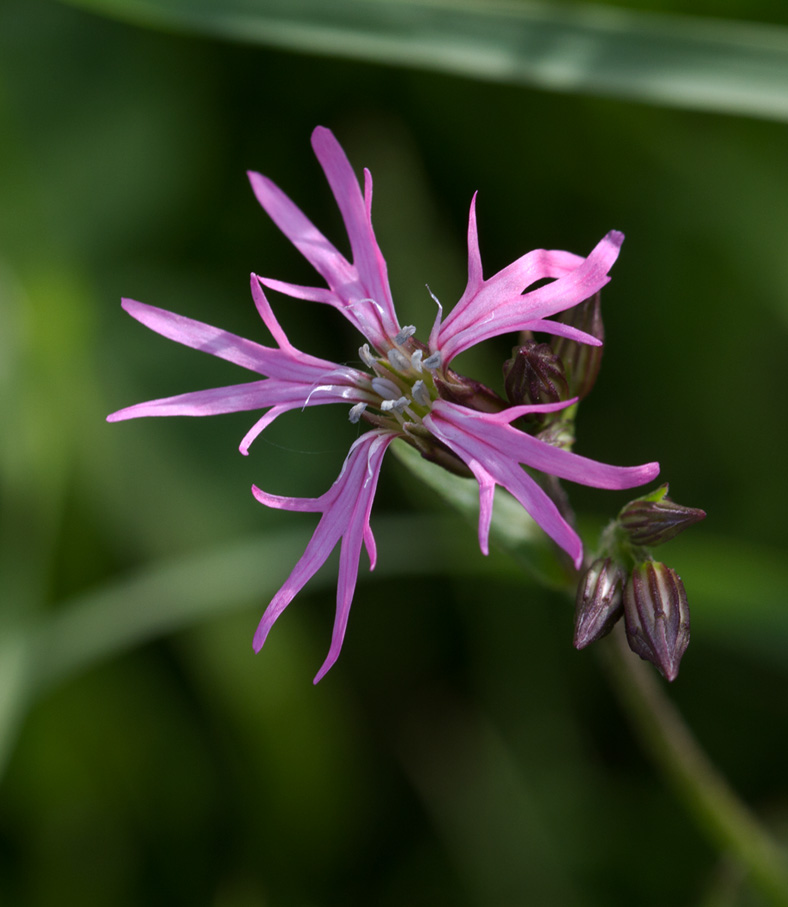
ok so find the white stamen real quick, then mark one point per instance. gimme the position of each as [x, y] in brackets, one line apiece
[385, 388]
[355, 412]
[433, 361]
[399, 360]
[415, 360]
[398, 405]
[408, 331]
[366, 356]
[420, 394]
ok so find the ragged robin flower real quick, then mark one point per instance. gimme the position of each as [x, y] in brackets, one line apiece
[404, 388]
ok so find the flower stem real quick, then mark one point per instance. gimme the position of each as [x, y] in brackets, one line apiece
[707, 795]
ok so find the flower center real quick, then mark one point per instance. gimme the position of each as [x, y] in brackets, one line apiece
[402, 385]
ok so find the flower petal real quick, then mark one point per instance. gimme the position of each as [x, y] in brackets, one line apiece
[526, 449]
[235, 398]
[200, 336]
[359, 290]
[345, 511]
[498, 305]
[357, 215]
[491, 469]
[492, 448]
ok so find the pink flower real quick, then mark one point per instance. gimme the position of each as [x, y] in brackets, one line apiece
[405, 389]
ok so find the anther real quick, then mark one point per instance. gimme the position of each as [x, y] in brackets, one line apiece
[385, 388]
[355, 412]
[415, 359]
[420, 394]
[397, 405]
[399, 360]
[408, 331]
[433, 361]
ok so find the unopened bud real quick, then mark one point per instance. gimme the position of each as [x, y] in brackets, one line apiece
[654, 518]
[599, 601]
[657, 616]
[558, 433]
[457, 388]
[581, 360]
[534, 374]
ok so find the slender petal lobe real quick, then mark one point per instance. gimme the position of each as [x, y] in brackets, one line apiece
[493, 450]
[499, 305]
[345, 509]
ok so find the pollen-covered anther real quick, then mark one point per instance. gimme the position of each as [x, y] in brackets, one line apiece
[356, 411]
[432, 361]
[398, 359]
[415, 359]
[408, 331]
[420, 393]
[397, 405]
[386, 389]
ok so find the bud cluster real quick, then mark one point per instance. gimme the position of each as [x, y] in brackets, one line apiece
[626, 581]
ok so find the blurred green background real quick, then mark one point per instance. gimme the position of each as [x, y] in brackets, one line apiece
[460, 752]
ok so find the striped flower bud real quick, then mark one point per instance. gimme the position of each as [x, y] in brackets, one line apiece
[657, 616]
[598, 603]
[534, 374]
[581, 360]
[654, 518]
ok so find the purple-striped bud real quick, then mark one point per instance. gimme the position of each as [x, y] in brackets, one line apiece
[657, 616]
[654, 518]
[599, 601]
[581, 361]
[456, 388]
[534, 374]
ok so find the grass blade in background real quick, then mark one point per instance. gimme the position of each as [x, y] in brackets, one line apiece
[704, 64]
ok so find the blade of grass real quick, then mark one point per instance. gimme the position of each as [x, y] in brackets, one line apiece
[703, 64]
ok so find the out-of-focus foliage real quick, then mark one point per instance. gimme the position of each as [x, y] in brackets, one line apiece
[706, 64]
[461, 751]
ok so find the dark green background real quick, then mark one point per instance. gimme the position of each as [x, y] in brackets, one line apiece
[460, 752]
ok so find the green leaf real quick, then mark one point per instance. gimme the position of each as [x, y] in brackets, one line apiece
[703, 64]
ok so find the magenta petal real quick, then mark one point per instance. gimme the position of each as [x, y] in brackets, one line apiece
[329, 263]
[359, 290]
[490, 446]
[498, 305]
[200, 336]
[345, 511]
[356, 213]
[559, 329]
[491, 469]
[524, 448]
[236, 398]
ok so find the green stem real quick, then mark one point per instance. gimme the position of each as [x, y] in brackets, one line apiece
[708, 796]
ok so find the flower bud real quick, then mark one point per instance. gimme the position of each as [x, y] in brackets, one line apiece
[534, 374]
[456, 388]
[580, 360]
[657, 616]
[654, 518]
[598, 602]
